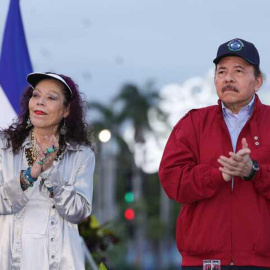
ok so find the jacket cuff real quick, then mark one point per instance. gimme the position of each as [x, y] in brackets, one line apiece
[15, 195]
[216, 177]
[45, 174]
[258, 175]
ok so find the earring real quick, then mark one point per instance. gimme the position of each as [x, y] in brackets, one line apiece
[64, 129]
[28, 122]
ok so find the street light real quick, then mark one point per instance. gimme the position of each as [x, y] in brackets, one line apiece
[106, 169]
[104, 135]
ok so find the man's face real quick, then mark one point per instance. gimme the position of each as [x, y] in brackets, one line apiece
[235, 82]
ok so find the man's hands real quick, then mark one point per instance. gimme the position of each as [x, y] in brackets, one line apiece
[238, 164]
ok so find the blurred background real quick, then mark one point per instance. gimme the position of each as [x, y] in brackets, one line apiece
[141, 65]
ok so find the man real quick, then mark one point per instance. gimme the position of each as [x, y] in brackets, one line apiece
[217, 165]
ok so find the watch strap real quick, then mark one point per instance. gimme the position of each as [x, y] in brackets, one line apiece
[255, 168]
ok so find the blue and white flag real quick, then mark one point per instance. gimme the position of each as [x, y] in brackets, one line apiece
[15, 64]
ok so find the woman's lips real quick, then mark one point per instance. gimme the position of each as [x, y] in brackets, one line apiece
[40, 113]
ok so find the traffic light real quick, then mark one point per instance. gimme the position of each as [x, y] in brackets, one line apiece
[129, 197]
[129, 214]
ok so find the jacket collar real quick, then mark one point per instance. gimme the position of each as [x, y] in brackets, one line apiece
[73, 146]
[27, 142]
[257, 105]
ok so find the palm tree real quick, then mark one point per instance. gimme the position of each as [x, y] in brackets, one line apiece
[135, 104]
[108, 119]
[107, 164]
[130, 107]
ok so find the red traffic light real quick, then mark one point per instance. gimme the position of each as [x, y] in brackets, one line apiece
[129, 214]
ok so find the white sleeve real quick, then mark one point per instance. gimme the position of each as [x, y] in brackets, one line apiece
[12, 198]
[74, 202]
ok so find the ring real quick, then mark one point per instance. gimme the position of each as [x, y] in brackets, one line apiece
[41, 162]
[50, 149]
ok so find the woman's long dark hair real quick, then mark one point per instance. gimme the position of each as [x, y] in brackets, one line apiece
[77, 129]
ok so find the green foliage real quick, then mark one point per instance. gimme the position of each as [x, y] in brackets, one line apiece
[151, 189]
[126, 266]
[136, 104]
[156, 229]
[102, 267]
[130, 107]
[98, 238]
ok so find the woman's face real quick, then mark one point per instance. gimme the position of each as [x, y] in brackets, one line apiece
[46, 106]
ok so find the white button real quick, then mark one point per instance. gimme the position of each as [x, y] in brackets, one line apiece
[256, 138]
[52, 256]
[257, 143]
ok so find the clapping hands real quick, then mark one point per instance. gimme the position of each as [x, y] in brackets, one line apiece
[47, 151]
[238, 164]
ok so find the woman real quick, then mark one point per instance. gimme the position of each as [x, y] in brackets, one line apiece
[46, 178]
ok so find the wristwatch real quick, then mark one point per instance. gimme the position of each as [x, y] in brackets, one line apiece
[255, 168]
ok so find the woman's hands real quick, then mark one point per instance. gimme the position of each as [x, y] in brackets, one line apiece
[47, 151]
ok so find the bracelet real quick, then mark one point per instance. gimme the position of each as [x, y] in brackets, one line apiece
[50, 189]
[28, 177]
[23, 183]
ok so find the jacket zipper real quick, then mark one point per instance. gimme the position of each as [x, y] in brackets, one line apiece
[231, 226]
[232, 181]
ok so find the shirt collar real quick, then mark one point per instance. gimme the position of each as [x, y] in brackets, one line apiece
[248, 108]
[27, 141]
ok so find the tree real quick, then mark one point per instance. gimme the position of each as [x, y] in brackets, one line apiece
[130, 108]
[135, 104]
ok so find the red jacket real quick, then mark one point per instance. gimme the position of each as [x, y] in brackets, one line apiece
[216, 221]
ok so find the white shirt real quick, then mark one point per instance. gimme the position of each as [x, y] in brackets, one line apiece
[236, 122]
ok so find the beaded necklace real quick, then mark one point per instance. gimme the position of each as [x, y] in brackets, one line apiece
[32, 152]
[31, 155]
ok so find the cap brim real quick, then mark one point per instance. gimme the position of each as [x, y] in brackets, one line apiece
[217, 59]
[34, 78]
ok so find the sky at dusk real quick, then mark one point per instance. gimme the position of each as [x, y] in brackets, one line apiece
[104, 44]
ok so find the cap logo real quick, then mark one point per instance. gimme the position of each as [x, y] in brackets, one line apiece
[235, 45]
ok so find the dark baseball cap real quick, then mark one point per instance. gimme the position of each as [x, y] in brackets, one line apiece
[241, 48]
